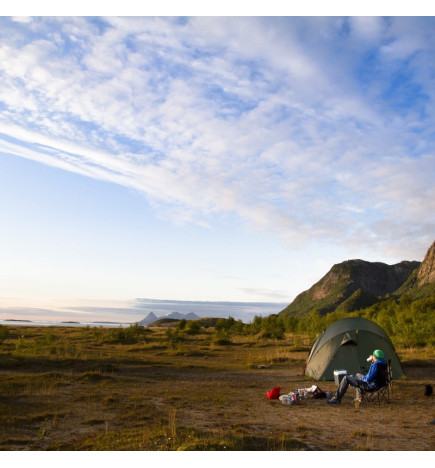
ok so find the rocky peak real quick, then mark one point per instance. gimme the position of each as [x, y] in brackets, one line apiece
[358, 281]
[426, 272]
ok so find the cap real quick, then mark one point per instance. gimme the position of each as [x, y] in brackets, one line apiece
[378, 354]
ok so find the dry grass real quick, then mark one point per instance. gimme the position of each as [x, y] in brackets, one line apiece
[72, 390]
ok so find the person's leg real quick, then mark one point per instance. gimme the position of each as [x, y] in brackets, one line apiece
[344, 384]
[358, 388]
[360, 385]
[342, 388]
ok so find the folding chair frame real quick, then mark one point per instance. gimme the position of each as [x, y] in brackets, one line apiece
[380, 394]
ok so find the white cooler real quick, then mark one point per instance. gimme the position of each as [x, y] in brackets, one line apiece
[338, 376]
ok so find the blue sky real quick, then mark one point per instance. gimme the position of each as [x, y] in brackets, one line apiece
[209, 158]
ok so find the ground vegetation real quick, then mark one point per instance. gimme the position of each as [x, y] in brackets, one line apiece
[195, 387]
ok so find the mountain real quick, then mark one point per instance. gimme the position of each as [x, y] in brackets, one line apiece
[178, 316]
[152, 317]
[426, 272]
[351, 285]
[421, 283]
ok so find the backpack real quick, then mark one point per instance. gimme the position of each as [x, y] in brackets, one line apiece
[319, 393]
[274, 393]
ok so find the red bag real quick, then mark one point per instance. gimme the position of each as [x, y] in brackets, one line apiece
[274, 393]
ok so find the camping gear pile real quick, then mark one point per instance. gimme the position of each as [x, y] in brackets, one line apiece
[293, 398]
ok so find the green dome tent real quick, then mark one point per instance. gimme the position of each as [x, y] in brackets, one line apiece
[346, 344]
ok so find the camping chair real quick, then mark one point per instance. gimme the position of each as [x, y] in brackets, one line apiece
[384, 388]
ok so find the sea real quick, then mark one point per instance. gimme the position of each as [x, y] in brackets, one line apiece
[40, 323]
[123, 315]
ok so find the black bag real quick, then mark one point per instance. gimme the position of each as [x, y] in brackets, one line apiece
[319, 393]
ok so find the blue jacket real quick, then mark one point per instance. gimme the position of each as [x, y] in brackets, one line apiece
[370, 378]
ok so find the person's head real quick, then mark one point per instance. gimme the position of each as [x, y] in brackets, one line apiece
[378, 354]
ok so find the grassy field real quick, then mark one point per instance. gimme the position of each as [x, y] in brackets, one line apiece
[66, 388]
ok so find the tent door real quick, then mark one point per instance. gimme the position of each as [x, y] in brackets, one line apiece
[349, 338]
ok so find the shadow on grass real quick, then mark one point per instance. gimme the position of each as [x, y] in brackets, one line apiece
[42, 364]
[186, 439]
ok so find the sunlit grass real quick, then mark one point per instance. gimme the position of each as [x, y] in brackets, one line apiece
[92, 389]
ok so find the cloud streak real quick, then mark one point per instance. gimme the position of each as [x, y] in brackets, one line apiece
[308, 127]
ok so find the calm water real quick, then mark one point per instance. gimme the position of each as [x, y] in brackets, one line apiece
[37, 323]
[134, 311]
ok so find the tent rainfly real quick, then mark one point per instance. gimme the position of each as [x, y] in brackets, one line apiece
[346, 344]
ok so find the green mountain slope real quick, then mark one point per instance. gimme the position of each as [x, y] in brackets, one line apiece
[352, 285]
[358, 300]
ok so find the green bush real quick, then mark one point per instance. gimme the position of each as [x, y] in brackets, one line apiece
[408, 323]
[255, 326]
[3, 333]
[129, 335]
[173, 337]
[273, 327]
[193, 327]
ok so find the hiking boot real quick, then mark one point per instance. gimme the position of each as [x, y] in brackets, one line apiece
[334, 401]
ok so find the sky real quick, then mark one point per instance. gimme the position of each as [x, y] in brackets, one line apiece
[212, 158]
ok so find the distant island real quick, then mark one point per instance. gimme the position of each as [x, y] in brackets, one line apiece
[16, 320]
[123, 323]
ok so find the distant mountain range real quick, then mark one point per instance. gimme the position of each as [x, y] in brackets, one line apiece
[152, 317]
[356, 284]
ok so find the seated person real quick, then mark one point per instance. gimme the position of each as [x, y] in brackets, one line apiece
[360, 381]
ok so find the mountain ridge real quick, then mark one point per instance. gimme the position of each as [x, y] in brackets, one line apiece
[355, 284]
[152, 317]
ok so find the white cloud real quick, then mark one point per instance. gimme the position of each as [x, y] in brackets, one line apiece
[251, 116]
[22, 19]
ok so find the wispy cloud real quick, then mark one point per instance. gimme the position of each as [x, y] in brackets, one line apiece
[310, 127]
